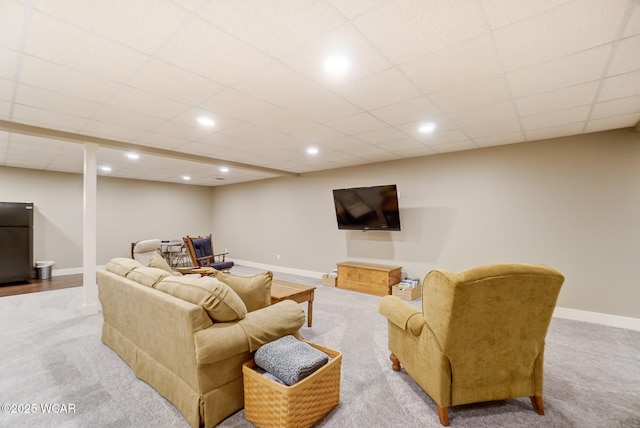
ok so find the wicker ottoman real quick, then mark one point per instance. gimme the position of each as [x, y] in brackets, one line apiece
[268, 403]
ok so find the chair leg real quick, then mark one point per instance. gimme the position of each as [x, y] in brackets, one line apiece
[536, 402]
[395, 362]
[443, 414]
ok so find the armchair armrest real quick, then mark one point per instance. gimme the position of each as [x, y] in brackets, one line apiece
[402, 314]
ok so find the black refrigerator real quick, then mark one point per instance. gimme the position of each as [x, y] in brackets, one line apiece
[16, 241]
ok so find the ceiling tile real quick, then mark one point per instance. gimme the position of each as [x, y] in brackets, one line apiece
[468, 61]
[633, 25]
[278, 84]
[55, 102]
[495, 128]
[9, 61]
[398, 146]
[276, 29]
[615, 122]
[454, 147]
[407, 30]
[499, 140]
[236, 104]
[568, 71]
[6, 89]
[562, 31]
[563, 98]
[388, 87]
[558, 117]
[380, 136]
[415, 109]
[443, 137]
[323, 107]
[201, 49]
[353, 8]
[620, 86]
[554, 131]
[500, 13]
[80, 50]
[128, 118]
[356, 124]
[627, 56]
[5, 110]
[142, 25]
[146, 103]
[61, 79]
[46, 118]
[12, 19]
[480, 93]
[169, 81]
[344, 143]
[617, 107]
[485, 114]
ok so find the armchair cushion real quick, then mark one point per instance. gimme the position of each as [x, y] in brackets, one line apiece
[219, 301]
[122, 265]
[255, 291]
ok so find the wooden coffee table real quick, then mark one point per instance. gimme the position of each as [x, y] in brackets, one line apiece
[282, 290]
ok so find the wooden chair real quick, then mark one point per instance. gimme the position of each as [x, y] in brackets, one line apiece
[200, 250]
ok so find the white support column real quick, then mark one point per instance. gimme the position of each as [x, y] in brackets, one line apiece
[89, 285]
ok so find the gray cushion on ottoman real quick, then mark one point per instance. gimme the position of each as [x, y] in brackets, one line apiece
[289, 359]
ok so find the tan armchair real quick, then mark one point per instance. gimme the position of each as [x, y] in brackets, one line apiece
[487, 325]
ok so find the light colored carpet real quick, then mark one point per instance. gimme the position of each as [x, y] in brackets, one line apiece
[51, 354]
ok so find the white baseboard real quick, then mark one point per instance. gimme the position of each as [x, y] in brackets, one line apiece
[71, 271]
[598, 318]
[283, 269]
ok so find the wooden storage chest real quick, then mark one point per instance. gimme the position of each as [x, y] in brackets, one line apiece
[368, 277]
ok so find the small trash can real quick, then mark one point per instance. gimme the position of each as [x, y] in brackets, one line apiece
[43, 269]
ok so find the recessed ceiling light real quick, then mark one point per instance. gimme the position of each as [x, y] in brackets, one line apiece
[133, 156]
[312, 150]
[186, 178]
[336, 64]
[105, 168]
[223, 169]
[205, 121]
[426, 128]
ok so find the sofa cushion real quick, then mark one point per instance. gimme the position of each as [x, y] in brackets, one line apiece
[157, 261]
[148, 276]
[216, 298]
[255, 291]
[122, 265]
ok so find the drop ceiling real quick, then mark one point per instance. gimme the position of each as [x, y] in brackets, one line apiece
[135, 75]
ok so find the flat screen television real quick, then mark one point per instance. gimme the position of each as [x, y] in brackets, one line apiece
[367, 208]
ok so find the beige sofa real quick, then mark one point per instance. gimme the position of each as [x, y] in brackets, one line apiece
[188, 336]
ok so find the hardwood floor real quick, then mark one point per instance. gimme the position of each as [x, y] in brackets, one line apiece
[35, 285]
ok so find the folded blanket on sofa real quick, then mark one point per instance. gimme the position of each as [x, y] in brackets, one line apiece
[290, 359]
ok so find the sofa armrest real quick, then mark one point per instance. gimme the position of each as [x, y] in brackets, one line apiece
[272, 322]
[220, 341]
[402, 314]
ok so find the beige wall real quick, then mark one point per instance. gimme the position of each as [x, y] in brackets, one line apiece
[128, 210]
[571, 203]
